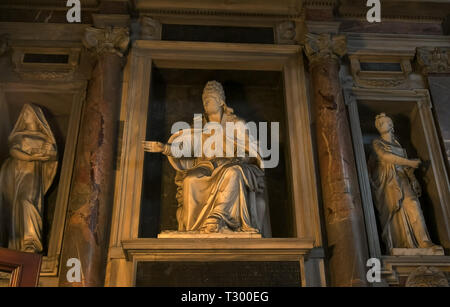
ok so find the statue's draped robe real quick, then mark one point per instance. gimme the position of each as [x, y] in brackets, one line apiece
[401, 218]
[24, 184]
[234, 193]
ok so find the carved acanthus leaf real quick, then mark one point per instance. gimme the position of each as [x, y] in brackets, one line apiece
[319, 47]
[108, 40]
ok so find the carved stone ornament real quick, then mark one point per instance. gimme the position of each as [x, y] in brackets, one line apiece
[150, 28]
[427, 277]
[108, 40]
[319, 47]
[434, 60]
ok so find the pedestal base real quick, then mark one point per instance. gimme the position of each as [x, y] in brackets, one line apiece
[198, 234]
[432, 251]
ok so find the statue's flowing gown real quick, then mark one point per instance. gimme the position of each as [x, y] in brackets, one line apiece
[401, 218]
[234, 193]
[24, 184]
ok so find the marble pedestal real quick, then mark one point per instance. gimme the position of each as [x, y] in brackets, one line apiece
[432, 251]
[199, 235]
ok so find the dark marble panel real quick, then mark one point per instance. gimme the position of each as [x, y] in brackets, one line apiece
[196, 33]
[218, 274]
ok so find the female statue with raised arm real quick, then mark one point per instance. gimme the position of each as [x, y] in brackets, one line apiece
[396, 191]
[25, 177]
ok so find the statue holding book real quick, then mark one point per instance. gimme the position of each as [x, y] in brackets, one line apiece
[217, 192]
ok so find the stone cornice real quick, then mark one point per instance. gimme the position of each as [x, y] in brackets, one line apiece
[393, 43]
[250, 8]
[320, 47]
[108, 40]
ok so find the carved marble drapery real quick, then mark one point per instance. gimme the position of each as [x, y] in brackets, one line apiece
[346, 237]
[91, 198]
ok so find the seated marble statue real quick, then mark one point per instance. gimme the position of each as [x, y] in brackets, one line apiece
[217, 194]
[396, 191]
[25, 177]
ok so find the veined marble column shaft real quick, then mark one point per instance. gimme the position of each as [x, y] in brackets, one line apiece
[346, 238]
[86, 235]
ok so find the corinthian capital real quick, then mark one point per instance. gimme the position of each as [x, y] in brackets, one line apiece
[108, 40]
[434, 60]
[320, 47]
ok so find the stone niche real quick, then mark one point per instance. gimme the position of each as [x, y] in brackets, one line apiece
[415, 129]
[61, 104]
[175, 95]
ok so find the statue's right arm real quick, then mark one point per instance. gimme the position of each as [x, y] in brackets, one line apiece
[389, 157]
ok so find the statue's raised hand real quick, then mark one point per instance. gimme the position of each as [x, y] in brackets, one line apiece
[152, 146]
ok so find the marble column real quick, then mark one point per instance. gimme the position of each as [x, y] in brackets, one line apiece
[346, 239]
[90, 205]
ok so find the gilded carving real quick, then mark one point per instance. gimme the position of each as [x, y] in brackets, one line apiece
[108, 40]
[25, 177]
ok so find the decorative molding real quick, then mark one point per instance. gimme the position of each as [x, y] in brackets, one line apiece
[108, 40]
[150, 29]
[380, 78]
[274, 248]
[110, 20]
[262, 8]
[45, 71]
[319, 47]
[427, 277]
[399, 44]
[396, 269]
[433, 60]
[363, 175]
[316, 4]
[319, 27]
